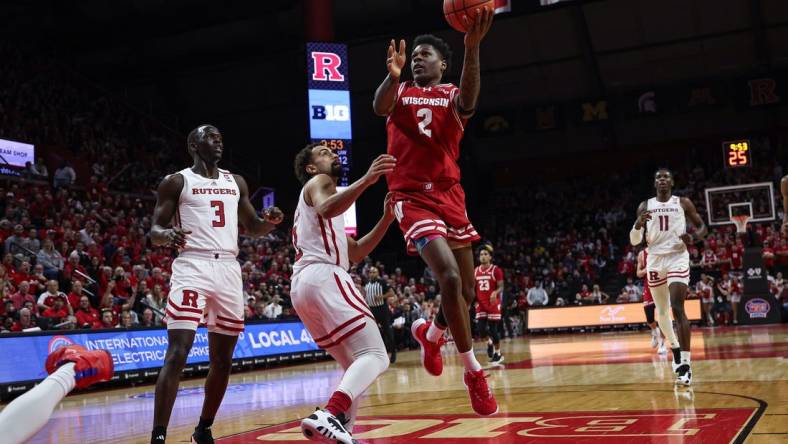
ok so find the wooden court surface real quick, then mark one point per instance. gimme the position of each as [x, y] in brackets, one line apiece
[571, 388]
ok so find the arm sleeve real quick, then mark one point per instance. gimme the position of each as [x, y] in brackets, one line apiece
[635, 236]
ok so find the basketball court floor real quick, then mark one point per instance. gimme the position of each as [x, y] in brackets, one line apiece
[580, 388]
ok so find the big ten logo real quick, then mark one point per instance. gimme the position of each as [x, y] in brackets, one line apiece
[333, 113]
[326, 67]
[693, 427]
[757, 308]
[611, 314]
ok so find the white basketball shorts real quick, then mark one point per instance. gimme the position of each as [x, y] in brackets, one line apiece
[664, 269]
[206, 287]
[329, 304]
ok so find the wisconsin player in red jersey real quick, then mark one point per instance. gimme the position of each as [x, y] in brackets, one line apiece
[206, 204]
[425, 123]
[657, 341]
[489, 291]
[323, 293]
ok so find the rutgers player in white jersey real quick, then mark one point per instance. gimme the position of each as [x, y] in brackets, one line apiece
[197, 211]
[323, 293]
[665, 220]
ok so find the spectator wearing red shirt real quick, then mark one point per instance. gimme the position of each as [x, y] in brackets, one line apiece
[723, 260]
[47, 299]
[73, 265]
[781, 253]
[26, 320]
[107, 320]
[59, 310]
[583, 296]
[157, 278]
[737, 255]
[76, 293]
[22, 274]
[22, 295]
[768, 256]
[87, 316]
[709, 260]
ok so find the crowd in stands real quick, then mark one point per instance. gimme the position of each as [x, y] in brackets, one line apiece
[43, 104]
[75, 255]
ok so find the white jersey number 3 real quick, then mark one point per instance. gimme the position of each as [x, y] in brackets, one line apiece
[426, 115]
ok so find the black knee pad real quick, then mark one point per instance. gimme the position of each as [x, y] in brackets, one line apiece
[649, 309]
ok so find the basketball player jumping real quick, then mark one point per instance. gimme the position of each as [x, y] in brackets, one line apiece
[489, 291]
[657, 340]
[323, 293]
[206, 203]
[665, 220]
[69, 367]
[425, 123]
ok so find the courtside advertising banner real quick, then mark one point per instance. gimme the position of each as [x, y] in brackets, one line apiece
[16, 153]
[598, 315]
[143, 349]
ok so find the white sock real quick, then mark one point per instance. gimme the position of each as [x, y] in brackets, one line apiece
[655, 331]
[434, 332]
[685, 356]
[489, 341]
[470, 362]
[27, 414]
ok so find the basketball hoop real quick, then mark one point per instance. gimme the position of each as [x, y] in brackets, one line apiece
[741, 222]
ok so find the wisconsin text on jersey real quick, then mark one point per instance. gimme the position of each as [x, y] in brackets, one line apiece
[441, 101]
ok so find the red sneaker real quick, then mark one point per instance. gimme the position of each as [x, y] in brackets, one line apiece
[91, 366]
[482, 399]
[431, 357]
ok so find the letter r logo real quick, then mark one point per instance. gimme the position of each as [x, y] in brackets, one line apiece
[327, 67]
[653, 276]
[190, 298]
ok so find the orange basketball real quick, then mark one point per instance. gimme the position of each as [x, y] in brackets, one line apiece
[454, 10]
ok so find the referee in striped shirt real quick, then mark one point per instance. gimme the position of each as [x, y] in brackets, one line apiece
[377, 292]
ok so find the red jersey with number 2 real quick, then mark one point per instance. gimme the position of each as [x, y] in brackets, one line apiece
[424, 133]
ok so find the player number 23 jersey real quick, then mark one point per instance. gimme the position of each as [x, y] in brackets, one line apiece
[666, 226]
[209, 209]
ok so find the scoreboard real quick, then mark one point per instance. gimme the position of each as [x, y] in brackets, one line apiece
[329, 100]
[736, 154]
[328, 83]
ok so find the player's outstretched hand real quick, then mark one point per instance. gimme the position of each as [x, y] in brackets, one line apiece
[176, 237]
[388, 207]
[384, 164]
[273, 215]
[395, 60]
[478, 27]
[643, 218]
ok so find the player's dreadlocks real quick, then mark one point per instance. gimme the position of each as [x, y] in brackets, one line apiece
[436, 42]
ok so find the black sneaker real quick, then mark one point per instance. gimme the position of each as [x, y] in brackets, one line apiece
[497, 359]
[202, 436]
[489, 350]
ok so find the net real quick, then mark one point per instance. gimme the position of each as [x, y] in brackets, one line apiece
[741, 222]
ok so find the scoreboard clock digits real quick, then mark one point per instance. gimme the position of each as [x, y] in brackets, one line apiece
[737, 154]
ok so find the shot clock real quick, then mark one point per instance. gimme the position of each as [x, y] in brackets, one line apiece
[737, 154]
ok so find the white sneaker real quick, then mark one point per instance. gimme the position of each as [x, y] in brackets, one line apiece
[683, 373]
[662, 350]
[322, 426]
[653, 340]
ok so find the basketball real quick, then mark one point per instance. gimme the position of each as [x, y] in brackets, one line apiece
[454, 10]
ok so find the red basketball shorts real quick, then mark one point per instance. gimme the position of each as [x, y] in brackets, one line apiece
[486, 310]
[433, 213]
[647, 298]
